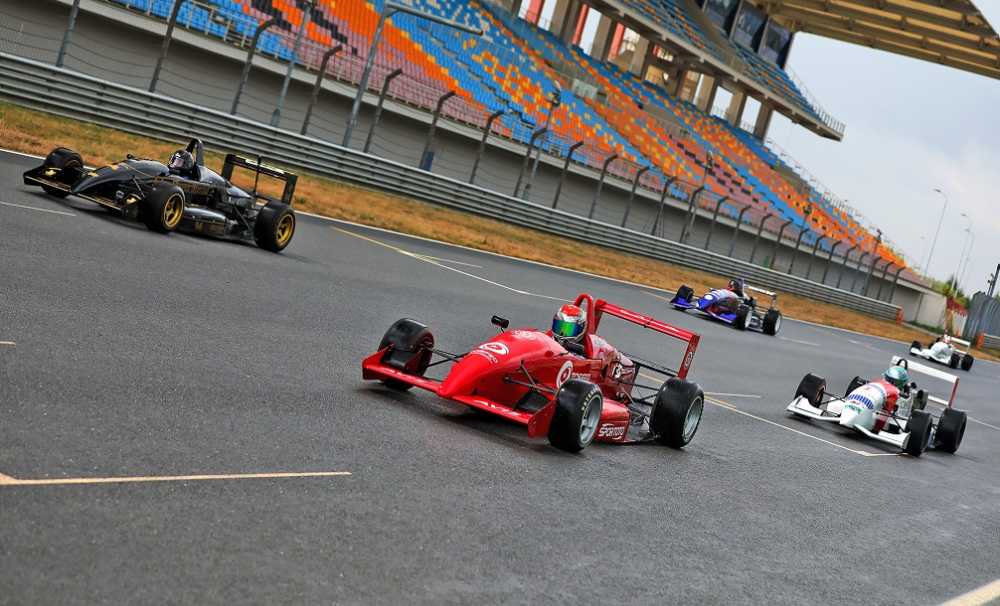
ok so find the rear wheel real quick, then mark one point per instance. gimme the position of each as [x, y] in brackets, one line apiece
[950, 430]
[577, 415]
[69, 167]
[920, 400]
[684, 293]
[812, 388]
[855, 383]
[967, 361]
[274, 227]
[919, 428]
[163, 209]
[410, 344]
[677, 412]
[772, 322]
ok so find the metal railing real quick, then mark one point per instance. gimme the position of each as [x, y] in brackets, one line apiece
[72, 94]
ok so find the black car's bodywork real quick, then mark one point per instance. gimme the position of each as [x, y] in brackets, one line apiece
[201, 202]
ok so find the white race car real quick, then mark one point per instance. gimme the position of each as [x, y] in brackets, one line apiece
[884, 412]
[944, 351]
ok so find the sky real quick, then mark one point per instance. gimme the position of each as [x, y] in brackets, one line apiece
[912, 127]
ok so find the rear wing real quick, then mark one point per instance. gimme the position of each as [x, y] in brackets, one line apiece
[962, 342]
[603, 307]
[931, 372]
[258, 167]
[773, 295]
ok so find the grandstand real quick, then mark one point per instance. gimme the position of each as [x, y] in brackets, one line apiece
[643, 89]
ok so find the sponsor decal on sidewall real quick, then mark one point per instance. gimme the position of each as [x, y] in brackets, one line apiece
[611, 431]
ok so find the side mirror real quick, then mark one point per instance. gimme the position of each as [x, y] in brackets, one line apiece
[500, 322]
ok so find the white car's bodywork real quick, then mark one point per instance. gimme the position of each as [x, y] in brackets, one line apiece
[859, 409]
[945, 350]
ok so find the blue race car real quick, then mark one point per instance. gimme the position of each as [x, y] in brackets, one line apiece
[733, 306]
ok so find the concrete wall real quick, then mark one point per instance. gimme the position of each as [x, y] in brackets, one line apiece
[122, 46]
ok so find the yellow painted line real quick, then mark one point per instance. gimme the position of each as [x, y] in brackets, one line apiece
[41, 210]
[983, 595]
[9, 481]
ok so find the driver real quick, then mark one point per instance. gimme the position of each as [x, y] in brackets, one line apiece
[182, 164]
[569, 326]
[736, 285]
[898, 377]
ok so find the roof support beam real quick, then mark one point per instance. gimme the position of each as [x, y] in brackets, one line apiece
[930, 16]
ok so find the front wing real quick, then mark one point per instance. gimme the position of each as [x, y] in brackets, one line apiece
[800, 406]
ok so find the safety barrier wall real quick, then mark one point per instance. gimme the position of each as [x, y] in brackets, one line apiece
[991, 341]
[87, 98]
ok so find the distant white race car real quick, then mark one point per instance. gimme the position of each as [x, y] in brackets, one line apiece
[883, 412]
[944, 351]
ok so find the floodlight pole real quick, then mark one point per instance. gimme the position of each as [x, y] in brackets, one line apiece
[937, 230]
[388, 10]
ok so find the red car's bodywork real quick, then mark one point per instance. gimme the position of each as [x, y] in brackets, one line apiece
[516, 374]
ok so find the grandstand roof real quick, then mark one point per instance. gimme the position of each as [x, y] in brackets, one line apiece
[950, 32]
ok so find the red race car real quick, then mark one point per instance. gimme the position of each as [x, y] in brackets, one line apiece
[573, 388]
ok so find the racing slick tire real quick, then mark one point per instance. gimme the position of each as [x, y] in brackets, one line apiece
[920, 400]
[411, 344]
[162, 209]
[274, 227]
[677, 412]
[576, 417]
[915, 345]
[855, 383]
[772, 322]
[919, 428]
[70, 166]
[950, 430]
[812, 388]
[742, 320]
[955, 360]
[684, 292]
[966, 363]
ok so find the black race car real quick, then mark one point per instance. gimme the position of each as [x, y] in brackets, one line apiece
[183, 194]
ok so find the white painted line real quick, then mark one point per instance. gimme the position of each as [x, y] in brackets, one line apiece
[977, 597]
[811, 344]
[983, 423]
[731, 395]
[41, 210]
[443, 266]
[8, 344]
[10, 481]
[17, 153]
[944, 404]
[451, 261]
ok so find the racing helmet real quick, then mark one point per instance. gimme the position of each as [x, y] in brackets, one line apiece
[897, 376]
[736, 285]
[569, 324]
[181, 163]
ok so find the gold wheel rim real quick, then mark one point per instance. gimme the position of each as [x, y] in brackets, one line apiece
[172, 212]
[285, 229]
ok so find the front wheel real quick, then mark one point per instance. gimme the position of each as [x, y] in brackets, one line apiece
[683, 295]
[274, 227]
[812, 388]
[915, 345]
[677, 412]
[578, 413]
[919, 428]
[772, 322]
[68, 167]
[950, 430]
[742, 320]
[410, 344]
[163, 208]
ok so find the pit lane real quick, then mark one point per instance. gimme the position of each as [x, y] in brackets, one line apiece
[140, 355]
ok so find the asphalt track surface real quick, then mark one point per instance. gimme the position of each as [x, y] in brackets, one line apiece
[124, 353]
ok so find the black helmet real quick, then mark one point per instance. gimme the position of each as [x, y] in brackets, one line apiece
[736, 285]
[182, 163]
